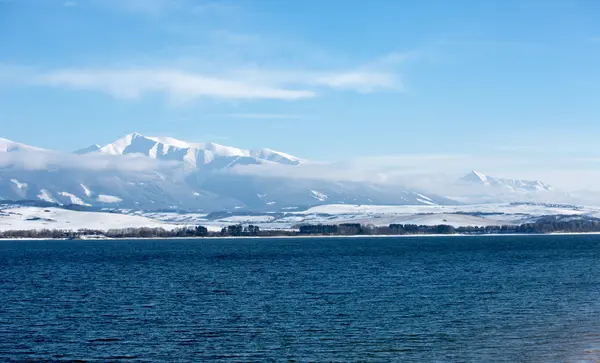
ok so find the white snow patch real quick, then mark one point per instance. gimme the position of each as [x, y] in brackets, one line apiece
[103, 198]
[86, 190]
[46, 196]
[19, 184]
[74, 199]
[424, 197]
[318, 195]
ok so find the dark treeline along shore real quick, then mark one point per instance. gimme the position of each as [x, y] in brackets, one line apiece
[551, 224]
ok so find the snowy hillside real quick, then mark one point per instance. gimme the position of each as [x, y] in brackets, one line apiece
[30, 218]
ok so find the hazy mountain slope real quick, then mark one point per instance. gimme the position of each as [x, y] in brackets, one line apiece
[477, 178]
[141, 172]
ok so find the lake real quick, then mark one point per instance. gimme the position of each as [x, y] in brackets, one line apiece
[424, 299]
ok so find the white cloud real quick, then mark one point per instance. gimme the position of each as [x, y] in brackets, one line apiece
[182, 86]
[53, 160]
[178, 85]
[360, 80]
[357, 81]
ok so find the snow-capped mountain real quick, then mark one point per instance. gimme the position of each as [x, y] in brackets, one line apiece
[193, 154]
[142, 172]
[477, 178]
[11, 146]
[87, 150]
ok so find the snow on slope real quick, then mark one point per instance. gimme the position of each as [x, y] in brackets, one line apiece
[477, 178]
[73, 198]
[46, 196]
[108, 199]
[11, 146]
[86, 190]
[276, 156]
[318, 195]
[19, 184]
[28, 218]
[195, 154]
[89, 149]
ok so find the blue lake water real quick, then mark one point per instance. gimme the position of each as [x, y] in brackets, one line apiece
[426, 299]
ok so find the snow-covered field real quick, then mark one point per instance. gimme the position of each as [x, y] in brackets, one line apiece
[380, 215]
[18, 218]
[29, 218]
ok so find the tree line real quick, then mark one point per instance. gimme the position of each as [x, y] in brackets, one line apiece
[544, 225]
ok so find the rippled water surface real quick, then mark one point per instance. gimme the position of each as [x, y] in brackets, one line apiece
[455, 299]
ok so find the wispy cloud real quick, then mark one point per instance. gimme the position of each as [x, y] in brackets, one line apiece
[365, 82]
[236, 84]
[52, 160]
[358, 80]
[69, 4]
[178, 85]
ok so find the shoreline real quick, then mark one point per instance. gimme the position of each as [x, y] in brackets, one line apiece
[306, 236]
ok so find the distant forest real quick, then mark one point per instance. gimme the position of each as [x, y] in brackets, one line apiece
[551, 224]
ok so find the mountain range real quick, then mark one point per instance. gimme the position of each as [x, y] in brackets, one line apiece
[155, 173]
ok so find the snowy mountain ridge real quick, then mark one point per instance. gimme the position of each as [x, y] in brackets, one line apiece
[194, 154]
[11, 146]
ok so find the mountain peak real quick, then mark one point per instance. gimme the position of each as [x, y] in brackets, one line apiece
[475, 177]
[87, 150]
[10, 146]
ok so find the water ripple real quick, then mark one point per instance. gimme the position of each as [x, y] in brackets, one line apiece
[505, 299]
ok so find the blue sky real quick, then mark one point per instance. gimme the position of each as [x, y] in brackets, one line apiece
[322, 80]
